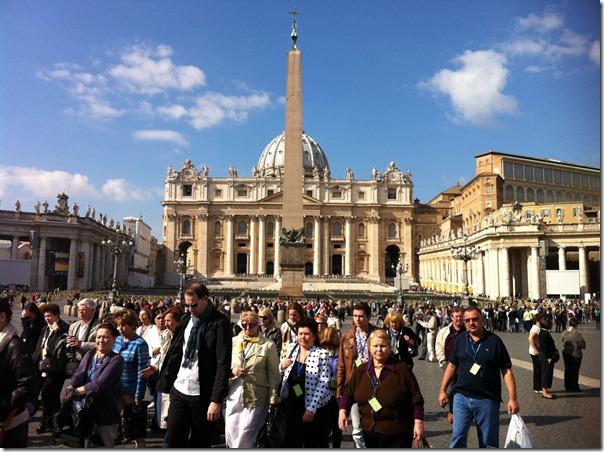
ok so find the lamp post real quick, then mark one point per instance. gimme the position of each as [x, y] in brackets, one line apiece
[465, 253]
[181, 268]
[119, 246]
[401, 269]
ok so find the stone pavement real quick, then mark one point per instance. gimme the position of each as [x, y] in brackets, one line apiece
[572, 420]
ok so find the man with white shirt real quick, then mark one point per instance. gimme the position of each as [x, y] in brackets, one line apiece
[196, 371]
[82, 333]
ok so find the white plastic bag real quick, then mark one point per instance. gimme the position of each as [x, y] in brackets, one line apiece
[518, 435]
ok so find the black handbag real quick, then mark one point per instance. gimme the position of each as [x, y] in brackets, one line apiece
[555, 355]
[272, 433]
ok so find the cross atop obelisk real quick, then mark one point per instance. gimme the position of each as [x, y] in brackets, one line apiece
[292, 234]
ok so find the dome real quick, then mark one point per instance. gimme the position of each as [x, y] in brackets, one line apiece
[271, 160]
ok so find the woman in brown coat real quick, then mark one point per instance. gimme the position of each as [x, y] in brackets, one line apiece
[389, 398]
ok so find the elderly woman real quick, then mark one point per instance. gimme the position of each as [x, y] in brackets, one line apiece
[389, 398]
[52, 357]
[269, 328]
[135, 352]
[403, 340]
[254, 384]
[98, 375]
[306, 388]
[572, 352]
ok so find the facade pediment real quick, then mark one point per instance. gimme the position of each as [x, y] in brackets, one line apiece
[393, 175]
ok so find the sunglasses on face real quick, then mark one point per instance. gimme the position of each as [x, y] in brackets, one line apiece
[473, 319]
[263, 317]
[248, 325]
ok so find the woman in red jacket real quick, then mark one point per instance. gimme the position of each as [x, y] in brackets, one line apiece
[389, 398]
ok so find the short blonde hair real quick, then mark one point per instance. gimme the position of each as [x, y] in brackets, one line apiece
[249, 316]
[393, 317]
[378, 334]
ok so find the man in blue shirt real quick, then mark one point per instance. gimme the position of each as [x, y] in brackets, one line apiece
[477, 359]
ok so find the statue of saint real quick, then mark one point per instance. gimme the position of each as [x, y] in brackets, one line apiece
[18, 206]
[374, 173]
[205, 170]
[75, 209]
[349, 173]
[87, 212]
[45, 205]
[37, 206]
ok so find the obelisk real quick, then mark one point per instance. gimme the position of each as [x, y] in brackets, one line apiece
[292, 239]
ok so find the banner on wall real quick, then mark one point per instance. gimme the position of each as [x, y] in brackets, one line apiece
[58, 262]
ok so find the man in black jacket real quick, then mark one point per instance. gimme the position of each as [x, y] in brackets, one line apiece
[196, 371]
[19, 383]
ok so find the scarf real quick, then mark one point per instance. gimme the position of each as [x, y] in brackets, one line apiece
[6, 335]
[247, 340]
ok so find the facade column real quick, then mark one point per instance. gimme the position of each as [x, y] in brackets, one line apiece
[561, 258]
[480, 274]
[504, 272]
[494, 273]
[583, 276]
[82, 282]
[229, 247]
[277, 245]
[14, 250]
[348, 238]
[261, 244]
[534, 273]
[375, 251]
[71, 273]
[41, 282]
[316, 265]
[96, 283]
[325, 248]
[203, 244]
[253, 247]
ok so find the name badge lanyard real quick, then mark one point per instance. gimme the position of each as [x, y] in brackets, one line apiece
[476, 368]
[246, 352]
[297, 364]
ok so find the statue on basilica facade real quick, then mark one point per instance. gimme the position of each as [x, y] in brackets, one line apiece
[87, 215]
[62, 207]
[232, 171]
[37, 206]
[326, 173]
[111, 223]
[18, 206]
[92, 214]
[349, 173]
[170, 171]
[75, 209]
[45, 205]
[374, 173]
[205, 170]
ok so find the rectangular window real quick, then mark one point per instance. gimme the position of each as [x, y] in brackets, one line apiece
[545, 213]
[593, 182]
[187, 190]
[361, 195]
[518, 171]
[547, 175]
[508, 170]
[309, 193]
[557, 177]
[242, 193]
[392, 193]
[528, 173]
[576, 179]
[242, 245]
[218, 193]
[269, 245]
[584, 181]
[529, 214]
[337, 246]
[566, 176]
[336, 194]
[309, 245]
[539, 174]
[269, 192]
[576, 211]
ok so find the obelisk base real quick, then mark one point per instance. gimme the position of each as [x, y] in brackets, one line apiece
[292, 272]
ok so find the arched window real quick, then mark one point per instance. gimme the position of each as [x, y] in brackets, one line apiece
[361, 230]
[218, 229]
[569, 197]
[186, 227]
[520, 194]
[337, 229]
[559, 196]
[509, 193]
[270, 229]
[392, 231]
[549, 197]
[309, 229]
[540, 195]
[530, 194]
[242, 228]
[577, 197]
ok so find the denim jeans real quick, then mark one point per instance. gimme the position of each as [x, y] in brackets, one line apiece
[486, 414]
[357, 430]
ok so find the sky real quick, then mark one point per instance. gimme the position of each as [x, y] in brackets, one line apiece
[97, 98]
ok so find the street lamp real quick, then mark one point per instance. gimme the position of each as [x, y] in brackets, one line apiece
[401, 269]
[118, 248]
[465, 253]
[181, 268]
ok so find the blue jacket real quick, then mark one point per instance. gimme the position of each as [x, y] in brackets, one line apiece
[105, 388]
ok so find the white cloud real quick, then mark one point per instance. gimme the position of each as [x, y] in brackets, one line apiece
[120, 190]
[594, 52]
[476, 89]
[213, 108]
[150, 71]
[544, 23]
[172, 111]
[160, 135]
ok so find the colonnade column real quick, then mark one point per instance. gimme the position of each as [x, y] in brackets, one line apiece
[348, 238]
[583, 276]
[228, 270]
[261, 244]
[41, 283]
[534, 273]
[494, 273]
[96, 283]
[316, 266]
[504, 272]
[561, 258]
[253, 247]
[277, 245]
[480, 274]
[14, 250]
[71, 272]
[326, 246]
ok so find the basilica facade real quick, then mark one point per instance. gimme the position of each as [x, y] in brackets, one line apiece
[228, 226]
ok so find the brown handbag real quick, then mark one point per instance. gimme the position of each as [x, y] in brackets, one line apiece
[420, 444]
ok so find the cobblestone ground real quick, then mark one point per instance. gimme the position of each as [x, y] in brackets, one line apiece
[572, 420]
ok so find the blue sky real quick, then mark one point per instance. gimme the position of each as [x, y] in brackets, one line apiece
[97, 98]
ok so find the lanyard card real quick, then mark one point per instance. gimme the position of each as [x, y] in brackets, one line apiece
[474, 369]
[358, 362]
[375, 404]
[297, 390]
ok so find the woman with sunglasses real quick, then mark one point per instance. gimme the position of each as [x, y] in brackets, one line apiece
[254, 383]
[269, 328]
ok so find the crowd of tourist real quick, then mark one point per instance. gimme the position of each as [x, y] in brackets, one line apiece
[180, 369]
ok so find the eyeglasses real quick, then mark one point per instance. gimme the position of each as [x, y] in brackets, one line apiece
[263, 317]
[190, 306]
[473, 319]
[248, 325]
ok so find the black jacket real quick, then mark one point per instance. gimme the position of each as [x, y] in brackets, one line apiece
[214, 353]
[547, 345]
[19, 382]
[31, 333]
[57, 350]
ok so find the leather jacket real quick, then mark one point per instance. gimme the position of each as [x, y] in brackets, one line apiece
[346, 357]
[19, 383]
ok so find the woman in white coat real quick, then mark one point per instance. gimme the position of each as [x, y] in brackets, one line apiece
[254, 383]
[305, 389]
